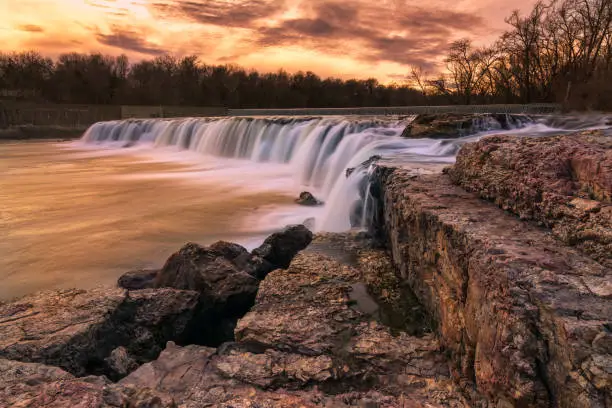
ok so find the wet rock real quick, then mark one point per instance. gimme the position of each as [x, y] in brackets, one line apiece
[139, 279]
[307, 199]
[364, 166]
[278, 249]
[36, 386]
[517, 312]
[77, 330]
[562, 182]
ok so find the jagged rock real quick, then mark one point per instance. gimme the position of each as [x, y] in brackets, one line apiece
[36, 386]
[308, 199]
[139, 279]
[307, 343]
[278, 249]
[562, 182]
[77, 330]
[225, 290]
[523, 316]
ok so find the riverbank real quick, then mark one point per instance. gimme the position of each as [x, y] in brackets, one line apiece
[41, 133]
[451, 302]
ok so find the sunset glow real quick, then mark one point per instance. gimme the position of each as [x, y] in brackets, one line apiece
[353, 38]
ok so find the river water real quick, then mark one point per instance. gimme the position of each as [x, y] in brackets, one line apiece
[126, 196]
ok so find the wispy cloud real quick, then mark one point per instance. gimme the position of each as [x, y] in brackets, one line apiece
[128, 40]
[30, 28]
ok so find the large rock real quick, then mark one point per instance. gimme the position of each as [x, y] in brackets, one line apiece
[36, 386]
[453, 125]
[525, 318]
[223, 287]
[562, 182]
[278, 249]
[78, 330]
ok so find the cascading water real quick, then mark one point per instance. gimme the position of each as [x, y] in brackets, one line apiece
[315, 151]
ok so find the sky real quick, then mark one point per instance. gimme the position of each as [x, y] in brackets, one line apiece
[342, 38]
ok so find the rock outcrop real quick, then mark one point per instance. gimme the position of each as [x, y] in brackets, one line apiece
[563, 183]
[308, 200]
[38, 386]
[278, 250]
[78, 330]
[138, 279]
[524, 319]
[453, 125]
[312, 339]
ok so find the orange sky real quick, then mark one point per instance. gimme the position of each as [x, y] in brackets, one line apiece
[345, 38]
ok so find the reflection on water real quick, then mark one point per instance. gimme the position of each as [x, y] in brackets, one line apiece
[72, 220]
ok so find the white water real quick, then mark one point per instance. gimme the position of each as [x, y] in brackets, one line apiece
[295, 154]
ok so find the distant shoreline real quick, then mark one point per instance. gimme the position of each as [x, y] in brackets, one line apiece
[17, 133]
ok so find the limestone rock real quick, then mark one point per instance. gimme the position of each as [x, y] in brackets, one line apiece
[522, 315]
[562, 182]
[77, 330]
[34, 385]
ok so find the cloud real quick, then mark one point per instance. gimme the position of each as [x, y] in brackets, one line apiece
[366, 30]
[129, 40]
[371, 32]
[31, 28]
[236, 13]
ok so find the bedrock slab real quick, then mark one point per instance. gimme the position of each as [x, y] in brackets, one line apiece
[563, 183]
[35, 385]
[524, 319]
[79, 330]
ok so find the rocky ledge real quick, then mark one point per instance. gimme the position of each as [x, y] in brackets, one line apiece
[526, 319]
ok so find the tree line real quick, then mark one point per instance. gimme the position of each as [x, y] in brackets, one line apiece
[560, 52]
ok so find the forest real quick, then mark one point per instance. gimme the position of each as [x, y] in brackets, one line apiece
[559, 52]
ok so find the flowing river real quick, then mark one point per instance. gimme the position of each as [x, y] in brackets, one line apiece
[129, 193]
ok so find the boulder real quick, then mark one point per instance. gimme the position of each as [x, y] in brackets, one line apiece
[308, 199]
[78, 330]
[278, 249]
[139, 279]
[525, 320]
[453, 125]
[35, 385]
[563, 183]
[224, 289]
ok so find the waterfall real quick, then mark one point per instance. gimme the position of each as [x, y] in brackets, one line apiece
[316, 151]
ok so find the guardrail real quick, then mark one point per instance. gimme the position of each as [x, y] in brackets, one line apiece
[401, 110]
